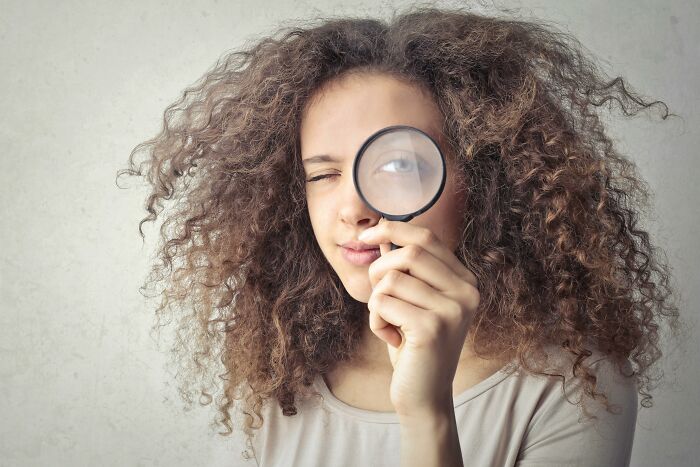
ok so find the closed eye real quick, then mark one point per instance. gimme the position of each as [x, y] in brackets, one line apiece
[321, 177]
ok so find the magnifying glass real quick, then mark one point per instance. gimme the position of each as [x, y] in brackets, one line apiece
[399, 172]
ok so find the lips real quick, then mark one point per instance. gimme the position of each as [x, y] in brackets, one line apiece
[361, 257]
[359, 246]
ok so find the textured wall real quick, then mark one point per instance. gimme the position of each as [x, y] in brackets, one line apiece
[81, 381]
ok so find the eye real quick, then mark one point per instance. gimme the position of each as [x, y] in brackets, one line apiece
[321, 177]
[405, 166]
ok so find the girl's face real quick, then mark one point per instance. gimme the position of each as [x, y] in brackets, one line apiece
[336, 124]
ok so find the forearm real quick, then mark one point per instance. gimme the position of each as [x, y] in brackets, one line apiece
[431, 440]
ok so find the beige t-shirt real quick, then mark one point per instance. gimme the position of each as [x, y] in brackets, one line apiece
[509, 419]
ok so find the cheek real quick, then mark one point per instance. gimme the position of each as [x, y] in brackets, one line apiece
[319, 214]
[444, 218]
[314, 207]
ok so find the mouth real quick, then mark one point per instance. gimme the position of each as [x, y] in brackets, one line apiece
[361, 257]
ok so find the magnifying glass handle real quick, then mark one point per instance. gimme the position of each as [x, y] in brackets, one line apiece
[397, 218]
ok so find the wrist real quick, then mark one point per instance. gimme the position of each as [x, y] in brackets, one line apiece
[436, 413]
[430, 439]
[430, 420]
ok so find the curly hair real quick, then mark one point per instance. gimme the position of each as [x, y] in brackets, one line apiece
[550, 229]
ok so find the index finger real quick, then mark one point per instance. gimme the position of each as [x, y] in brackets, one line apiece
[402, 234]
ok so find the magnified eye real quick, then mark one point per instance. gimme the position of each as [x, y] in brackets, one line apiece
[403, 165]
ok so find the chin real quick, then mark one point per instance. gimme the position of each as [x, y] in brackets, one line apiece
[360, 297]
[358, 288]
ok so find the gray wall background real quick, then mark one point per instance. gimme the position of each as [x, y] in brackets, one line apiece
[81, 381]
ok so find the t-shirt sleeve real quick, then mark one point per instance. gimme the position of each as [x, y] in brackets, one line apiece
[559, 434]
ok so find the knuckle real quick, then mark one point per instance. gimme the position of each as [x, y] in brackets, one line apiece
[372, 302]
[413, 251]
[370, 270]
[377, 299]
[476, 297]
[455, 312]
[427, 237]
[471, 296]
[433, 328]
[392, 277]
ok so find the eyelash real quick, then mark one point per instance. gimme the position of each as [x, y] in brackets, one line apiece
[320, 177]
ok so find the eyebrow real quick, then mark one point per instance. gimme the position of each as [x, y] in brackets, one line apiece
[318, 159]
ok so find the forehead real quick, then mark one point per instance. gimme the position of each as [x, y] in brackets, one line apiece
[344, 113]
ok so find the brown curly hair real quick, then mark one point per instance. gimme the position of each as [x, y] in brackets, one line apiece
[551, 227]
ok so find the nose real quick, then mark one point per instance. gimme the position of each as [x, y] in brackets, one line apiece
[353, 210]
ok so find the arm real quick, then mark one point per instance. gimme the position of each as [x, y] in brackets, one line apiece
[431, 440]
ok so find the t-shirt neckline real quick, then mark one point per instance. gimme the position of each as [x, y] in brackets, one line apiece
[340, 407]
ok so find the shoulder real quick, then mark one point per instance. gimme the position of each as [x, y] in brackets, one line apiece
[561, 433]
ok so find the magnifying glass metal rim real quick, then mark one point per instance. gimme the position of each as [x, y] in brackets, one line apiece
[360, 152]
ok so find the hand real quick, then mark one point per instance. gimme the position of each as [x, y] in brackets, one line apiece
[422, 303]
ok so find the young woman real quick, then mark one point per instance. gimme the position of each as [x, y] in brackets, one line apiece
[517, 322]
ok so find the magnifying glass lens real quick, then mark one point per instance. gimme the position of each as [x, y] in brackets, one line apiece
[400, 171]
